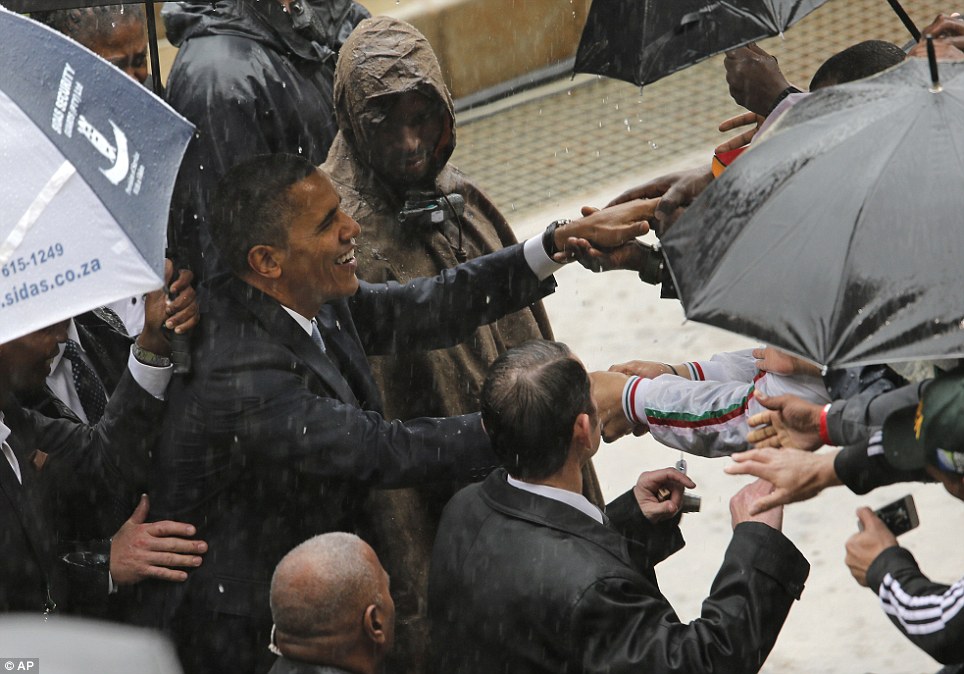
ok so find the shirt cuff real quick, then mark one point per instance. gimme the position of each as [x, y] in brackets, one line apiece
[539, 262]
[154, 380]
[634, 400]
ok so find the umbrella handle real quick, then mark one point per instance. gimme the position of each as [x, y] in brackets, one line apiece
[932, 62]
[152, 41]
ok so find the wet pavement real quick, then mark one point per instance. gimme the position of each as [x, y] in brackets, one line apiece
[575, 135]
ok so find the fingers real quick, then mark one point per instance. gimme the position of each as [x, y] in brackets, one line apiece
[182, 282]
[139, 516]
[761, 419]
[649, 190]
[161, 573]
[168, 270]
[588, 210]
[776, 498]
[740, 120]
[167, 528]
[868, 520]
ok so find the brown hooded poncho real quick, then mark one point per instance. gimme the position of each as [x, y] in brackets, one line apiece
[385, 56]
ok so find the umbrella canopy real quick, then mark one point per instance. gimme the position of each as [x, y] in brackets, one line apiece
[641, 42]
[838, 235]
[88, 160]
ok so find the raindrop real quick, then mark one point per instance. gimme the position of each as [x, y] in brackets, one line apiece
[283, 85]
[201, 167]
[569, 92]
[653, 144]
[567, 150]
[299, 149]
[220, 588]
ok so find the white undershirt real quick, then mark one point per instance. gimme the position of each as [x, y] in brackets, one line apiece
[8, 451]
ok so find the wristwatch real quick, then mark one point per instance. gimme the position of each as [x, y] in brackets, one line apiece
[548, 238]
[150, 358]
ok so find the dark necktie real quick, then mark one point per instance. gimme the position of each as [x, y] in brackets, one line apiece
[90, 390]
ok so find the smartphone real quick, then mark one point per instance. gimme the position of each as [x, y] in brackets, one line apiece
[899, 516]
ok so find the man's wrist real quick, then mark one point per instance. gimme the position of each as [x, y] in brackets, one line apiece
[549, 243]
[790, 89]
[149, 357]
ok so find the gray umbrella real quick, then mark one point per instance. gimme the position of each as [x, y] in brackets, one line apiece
[838, 235]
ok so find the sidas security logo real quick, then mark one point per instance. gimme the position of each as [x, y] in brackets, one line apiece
[67, 117]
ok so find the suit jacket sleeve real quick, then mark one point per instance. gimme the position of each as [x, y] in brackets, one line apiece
[267, 412]
[116, 449]
[628, 628]
[441, 311]
[929, 614]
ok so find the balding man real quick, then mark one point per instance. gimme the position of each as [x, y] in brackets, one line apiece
[331, 608]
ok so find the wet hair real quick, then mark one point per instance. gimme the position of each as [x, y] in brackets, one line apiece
[322, 585]
[89, 24]
[251, 206]
[857, 62]
[530, 400]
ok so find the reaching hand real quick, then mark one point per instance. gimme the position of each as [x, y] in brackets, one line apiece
[606, 228]
[864, 546]
[607, 393]
[742, 138]
[772, 359]
[754, 78]
[948, 34]
[676, 191]
[788, 422]
[139, 550]
[794, 474]
[648, 369]
[659, 493]
[743, 506]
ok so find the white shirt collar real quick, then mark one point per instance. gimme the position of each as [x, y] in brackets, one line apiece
[7, 450]
[71, 334]
[570, 498]
[305, 323]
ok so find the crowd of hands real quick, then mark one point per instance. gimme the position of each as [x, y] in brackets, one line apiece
[783, 439]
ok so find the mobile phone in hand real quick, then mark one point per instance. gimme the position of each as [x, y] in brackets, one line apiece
[899, 516]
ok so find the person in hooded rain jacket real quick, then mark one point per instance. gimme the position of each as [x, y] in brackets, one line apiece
[396, 132]
[253, 81]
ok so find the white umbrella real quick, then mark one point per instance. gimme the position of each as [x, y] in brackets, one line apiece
[88, 159]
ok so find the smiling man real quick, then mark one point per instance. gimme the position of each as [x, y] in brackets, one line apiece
[279, 433]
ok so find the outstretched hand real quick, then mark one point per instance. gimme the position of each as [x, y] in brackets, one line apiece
[142, 550]
[743, 137]
[743, 506]
[794, 474]
[604, 229]
[754, 78]
[607, 393]
[675, 191]
[789, 421]
[659, 493]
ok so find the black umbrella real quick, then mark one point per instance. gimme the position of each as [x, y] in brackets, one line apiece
[838, 236]
[641, 41]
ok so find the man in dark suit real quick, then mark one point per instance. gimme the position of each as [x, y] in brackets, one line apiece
[528, 576]
[111, 457]
[279, 432]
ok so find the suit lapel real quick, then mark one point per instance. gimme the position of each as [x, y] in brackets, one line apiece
[284, 328]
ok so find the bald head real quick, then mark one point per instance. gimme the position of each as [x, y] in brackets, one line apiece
[323, 586]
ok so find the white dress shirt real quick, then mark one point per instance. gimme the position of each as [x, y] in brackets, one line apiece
[570, 498]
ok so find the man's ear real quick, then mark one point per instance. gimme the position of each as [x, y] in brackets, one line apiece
[582, 430]
[265, 260]
[374, 622]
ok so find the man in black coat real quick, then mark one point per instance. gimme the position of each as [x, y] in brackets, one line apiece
[254, 76]
[528, 576]
[39, 455]
[278, 434]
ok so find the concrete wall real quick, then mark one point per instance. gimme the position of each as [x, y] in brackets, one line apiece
[480, 43]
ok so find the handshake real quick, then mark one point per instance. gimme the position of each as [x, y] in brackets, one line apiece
[606, 239]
